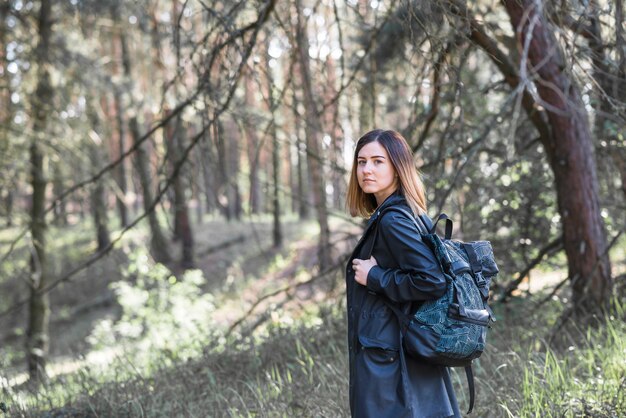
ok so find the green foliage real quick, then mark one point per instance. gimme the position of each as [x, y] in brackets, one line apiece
[160, 311]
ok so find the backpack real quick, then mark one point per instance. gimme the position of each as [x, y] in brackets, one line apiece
[452, 330]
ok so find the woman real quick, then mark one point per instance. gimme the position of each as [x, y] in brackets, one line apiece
[390, 261]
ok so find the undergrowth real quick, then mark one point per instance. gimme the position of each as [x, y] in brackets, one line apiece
[171, 360]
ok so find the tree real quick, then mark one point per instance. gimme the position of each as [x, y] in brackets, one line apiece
[37, 342]
[98, 196]
[158, 242]
[7, 186]
[313, 130]
[569, 148]
[277, 232]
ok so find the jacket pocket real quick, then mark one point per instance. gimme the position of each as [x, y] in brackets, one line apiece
[378, 351]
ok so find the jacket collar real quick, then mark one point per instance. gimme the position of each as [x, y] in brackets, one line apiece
[392, 200]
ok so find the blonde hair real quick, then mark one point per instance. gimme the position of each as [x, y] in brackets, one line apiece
[410, 184]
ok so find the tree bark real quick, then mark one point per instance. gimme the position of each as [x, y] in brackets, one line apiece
[60, 211]
[277, 232]
[181, 211]
[7, 112]
[570, 153]
[254, 151]
[301, 196]
[223, 199]
[333, 127]
[120, 197]
[37, 338]
[313, 131]
[208, 170]
[234, 193]
[98, 196]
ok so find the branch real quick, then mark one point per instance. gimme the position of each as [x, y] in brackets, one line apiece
[263, 16]
[595, 267]
[434, 108]
[479, 37]
[467, 153]
[550, 249]
[170, 180]
[283, 289]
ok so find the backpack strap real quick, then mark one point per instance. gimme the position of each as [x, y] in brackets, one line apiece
[421, 222]
[477, 269]
[449, 225]
[469, 373]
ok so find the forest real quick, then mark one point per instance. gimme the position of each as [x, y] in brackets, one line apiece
[173, 177]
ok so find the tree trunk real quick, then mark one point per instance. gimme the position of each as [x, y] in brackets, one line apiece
[8, 204]
[570, 153]
[234, 194]
[302, 195]
[181, 211]
[60, 212]
[254, 152]
[37, 338]
[313, 131]
[223, 197]
[120, 197]
[158, 243]
[367, 99]
[7, 112]
[336, 134]
[208, 170]
[609, 118]
[277, 232]
[98, 196]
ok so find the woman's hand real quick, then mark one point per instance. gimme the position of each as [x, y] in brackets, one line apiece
[362, 268]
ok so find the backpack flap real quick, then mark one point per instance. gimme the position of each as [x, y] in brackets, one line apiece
[472, 316]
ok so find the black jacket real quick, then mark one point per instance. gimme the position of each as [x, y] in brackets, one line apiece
[381, 383]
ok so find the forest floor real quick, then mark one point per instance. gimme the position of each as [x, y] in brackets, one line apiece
[237, 259]
[262, 333]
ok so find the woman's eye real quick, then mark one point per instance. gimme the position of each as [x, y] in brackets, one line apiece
[361, 162]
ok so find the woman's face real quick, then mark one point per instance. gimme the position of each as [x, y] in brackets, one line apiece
[375, 172]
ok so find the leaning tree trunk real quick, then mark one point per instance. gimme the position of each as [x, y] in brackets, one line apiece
[313, 130]
[39, 304]
[570, 152]
[158, 243]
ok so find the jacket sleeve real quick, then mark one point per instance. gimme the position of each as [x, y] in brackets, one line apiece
[418, 275]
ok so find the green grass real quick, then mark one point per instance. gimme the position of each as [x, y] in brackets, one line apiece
[301, 370]
[168, 355]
